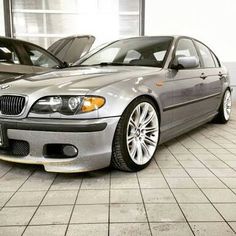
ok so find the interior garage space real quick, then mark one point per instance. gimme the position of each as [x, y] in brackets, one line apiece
[188, 185]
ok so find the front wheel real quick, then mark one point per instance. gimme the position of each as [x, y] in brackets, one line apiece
[225, 108]
[136, 137]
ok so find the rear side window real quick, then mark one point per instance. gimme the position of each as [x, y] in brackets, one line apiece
[39, 58]
[217, 63]
[8, 55]
[185, 48]
[206, 55]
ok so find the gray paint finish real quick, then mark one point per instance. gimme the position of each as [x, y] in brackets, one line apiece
[231, 66]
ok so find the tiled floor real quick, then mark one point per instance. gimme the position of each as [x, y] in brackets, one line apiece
[189, 189]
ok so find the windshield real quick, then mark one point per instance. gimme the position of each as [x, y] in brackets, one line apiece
[143, 51]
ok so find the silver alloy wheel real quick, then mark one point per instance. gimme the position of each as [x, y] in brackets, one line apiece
[227, 104]
[142, 133]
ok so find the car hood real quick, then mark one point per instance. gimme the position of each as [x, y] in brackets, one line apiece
[73, 80]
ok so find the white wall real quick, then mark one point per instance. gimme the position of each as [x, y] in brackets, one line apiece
[2, 25]
[212, 22]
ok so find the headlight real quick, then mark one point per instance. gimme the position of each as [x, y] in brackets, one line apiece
[67, 105]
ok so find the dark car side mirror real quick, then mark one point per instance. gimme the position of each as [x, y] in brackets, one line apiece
[186, 63]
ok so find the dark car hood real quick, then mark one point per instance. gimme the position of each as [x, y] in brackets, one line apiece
[74, 80]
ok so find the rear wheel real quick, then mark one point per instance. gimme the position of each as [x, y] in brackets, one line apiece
[136, 137]
[225, 108]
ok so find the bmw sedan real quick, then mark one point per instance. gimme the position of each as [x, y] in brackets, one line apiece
[115, 106]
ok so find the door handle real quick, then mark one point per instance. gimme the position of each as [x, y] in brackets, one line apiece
[221, 75]
[203, 76]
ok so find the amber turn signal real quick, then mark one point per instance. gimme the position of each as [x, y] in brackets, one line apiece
[92, 103]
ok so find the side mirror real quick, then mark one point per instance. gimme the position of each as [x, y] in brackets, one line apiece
[186, 63]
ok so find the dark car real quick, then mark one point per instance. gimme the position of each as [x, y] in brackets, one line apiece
[20, 57]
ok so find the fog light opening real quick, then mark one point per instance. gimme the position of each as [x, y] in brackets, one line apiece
[69, 151]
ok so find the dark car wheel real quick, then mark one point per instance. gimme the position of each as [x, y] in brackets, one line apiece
[136, 137]
[225, 108]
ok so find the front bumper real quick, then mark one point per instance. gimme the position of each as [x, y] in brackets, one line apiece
[93, 139]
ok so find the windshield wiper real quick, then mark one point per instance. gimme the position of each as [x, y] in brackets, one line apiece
[111, 64]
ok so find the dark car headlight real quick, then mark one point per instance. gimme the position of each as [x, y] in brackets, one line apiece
[67, 105]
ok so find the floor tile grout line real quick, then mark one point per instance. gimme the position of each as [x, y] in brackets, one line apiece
[7, 172]
[39, 205]
[144, 205]
[201, 188]
[109, 207]
[176, 200]
[33, 171]
[74, 205]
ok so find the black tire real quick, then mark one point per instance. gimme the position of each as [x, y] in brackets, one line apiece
[120, 156]
[221, 117]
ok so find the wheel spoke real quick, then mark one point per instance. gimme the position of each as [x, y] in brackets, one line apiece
[145, 148]
[149, 141]
[144, 113]
[151, 129]
[139, 153]
[148, 119]
[130, 138]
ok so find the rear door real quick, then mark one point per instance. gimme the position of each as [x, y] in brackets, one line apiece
[212, 77]
[71, 49]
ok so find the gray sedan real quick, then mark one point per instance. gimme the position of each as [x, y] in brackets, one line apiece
[115, 106]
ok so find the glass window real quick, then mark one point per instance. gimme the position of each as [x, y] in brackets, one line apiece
[39, 58]
[8, 55]
[185, 48]
[40, 21]
[206, 55]
[217, 63]
[136, 51]
[132, 55]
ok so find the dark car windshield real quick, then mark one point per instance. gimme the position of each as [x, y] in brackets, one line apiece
[143, 51]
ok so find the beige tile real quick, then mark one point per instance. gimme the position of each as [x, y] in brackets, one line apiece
[52, 215]
[220, 195]
[60, 197]
[40, 180]
[4, 197]
[98, 196]
[12, 231]
[90, 214]
[228, 210]
[26, 199]
[150, 173]
[192, 164]
[126, 196]
[224, 172]
[152, 183]
[46, 230]
[230, 182]
[233, 225]
[174, 173]
[16, 215]
[130, 229]
[189, 196]
[95, 183]
[200, 173]
[209, 183]
[200, 212]
[164, 213]
[67, 182]
[181, 183]
[88, 230]
[158, 196]
[169, 164]
[211, 229]
[170, 229]
[127, 213]
[120, 183]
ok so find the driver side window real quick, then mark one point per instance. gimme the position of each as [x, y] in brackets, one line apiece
[185, 48]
